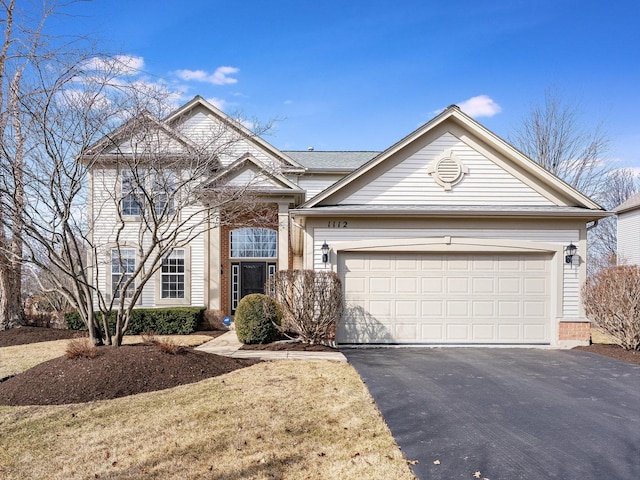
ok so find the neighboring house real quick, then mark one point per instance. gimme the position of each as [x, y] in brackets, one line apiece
[629, 230]
[450, 236]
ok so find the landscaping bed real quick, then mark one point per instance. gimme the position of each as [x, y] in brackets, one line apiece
[613, 351]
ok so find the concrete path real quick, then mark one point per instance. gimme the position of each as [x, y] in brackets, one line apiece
[508, 414]
[229, 346]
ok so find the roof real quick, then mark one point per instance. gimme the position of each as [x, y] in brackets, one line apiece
[334, 161]
[454, 210]
[632, 203]
[544, 178]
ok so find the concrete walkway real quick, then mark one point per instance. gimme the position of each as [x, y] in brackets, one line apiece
[229, 346]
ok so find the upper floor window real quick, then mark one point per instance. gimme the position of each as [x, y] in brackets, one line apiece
[162, 191]
[158, 186]
[123, 265]
[254, 243]
[132, 193]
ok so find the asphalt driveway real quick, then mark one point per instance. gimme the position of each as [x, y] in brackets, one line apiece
[507, 413]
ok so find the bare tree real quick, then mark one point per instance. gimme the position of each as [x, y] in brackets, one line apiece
[24, 47]
[555, 135]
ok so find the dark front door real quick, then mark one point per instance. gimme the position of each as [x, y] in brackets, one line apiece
[253, 276]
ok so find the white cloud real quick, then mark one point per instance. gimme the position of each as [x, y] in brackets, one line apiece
[480, 106]
[220, 77]
[217, 102]
[119, 65]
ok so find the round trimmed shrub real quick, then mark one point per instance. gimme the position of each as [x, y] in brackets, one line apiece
[257, 319]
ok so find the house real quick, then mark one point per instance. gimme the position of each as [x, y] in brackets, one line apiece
[450, 236]
[628, 214]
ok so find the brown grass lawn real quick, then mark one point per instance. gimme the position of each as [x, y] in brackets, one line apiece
[285, 420]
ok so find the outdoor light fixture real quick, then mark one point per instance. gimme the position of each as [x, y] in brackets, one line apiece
[325, 252]
[570, 252]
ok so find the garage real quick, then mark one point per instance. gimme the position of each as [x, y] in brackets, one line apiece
[436, 298]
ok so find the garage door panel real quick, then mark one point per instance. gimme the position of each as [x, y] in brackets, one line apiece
[432, 285]
[406, 285]
[458, 285]
[446, 298]
[432, 308]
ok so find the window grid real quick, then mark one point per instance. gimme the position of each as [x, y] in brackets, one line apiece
[172, 275]
[235, 286]
[131, 203]
[254, 243]
[123, 265]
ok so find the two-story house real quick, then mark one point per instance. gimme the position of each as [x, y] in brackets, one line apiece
[449, 236]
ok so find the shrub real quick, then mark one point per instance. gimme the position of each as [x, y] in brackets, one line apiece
[258, 319]
[167, 345]
[312, 303]
[162, 321]
[612, 301]
[80, 348]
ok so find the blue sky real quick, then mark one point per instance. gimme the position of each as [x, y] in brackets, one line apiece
[360, 75]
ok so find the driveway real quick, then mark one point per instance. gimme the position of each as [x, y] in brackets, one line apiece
[507, 413]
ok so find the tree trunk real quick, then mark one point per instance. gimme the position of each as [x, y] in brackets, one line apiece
[11, 311]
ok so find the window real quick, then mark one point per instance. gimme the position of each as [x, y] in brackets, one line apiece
[132, 194]
[163, 187]
[172, 275]
[254, 243]
[123, 265]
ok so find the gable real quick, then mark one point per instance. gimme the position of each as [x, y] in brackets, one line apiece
[413, 179]
[486, 171]
[205, 125]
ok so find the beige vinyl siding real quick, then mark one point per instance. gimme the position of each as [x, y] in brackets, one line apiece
[561, 237]
[202, 128]
[107, 223]
[409, 183]
[315, 183]
[629, 237]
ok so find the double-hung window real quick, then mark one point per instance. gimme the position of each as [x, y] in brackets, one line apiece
[172, 275]
[132, 193]
[163, 187]
[123, 265]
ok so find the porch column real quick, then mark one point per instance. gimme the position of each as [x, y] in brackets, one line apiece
[212, 255]
[283, 236]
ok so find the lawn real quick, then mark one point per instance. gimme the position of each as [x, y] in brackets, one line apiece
[289, 420]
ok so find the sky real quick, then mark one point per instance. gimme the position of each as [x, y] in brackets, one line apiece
[361, 75]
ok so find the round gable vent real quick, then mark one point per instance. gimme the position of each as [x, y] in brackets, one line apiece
[447, 170]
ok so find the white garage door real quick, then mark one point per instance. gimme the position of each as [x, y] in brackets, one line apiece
[452, 298]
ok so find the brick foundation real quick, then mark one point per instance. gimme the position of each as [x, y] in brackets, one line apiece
[574, 331]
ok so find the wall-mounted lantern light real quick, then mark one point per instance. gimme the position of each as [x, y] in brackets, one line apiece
[569, 253]
[325, 252]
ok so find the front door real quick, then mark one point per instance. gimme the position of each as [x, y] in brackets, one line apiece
[253, 276]
[248, 278]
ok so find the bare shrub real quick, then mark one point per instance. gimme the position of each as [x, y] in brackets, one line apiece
[612, 302]
[311, 301]
[80, 348]
[167, 345]
[149, 337]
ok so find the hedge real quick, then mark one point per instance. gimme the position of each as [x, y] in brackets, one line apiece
[162, 321]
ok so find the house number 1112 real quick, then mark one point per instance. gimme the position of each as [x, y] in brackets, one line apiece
[337, 224]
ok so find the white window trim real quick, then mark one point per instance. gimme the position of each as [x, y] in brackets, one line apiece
[109, 271]
[187, 282]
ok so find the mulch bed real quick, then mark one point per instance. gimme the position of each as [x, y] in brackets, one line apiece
[290, 346]
[113, 373]
[24, 335]
[613, 351]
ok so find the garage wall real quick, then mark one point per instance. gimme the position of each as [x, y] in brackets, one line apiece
[570, 274]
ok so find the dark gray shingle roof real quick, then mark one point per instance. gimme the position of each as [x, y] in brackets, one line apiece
[333, 161]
